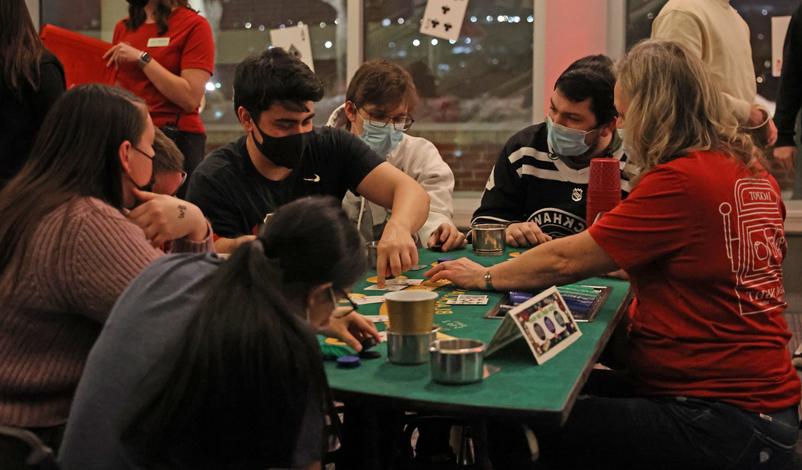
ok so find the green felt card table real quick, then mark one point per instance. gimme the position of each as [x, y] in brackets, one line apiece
[520, 389]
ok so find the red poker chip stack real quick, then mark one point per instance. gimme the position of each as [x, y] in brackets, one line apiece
[604, 187]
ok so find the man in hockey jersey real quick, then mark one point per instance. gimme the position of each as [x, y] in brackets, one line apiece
[539, 183]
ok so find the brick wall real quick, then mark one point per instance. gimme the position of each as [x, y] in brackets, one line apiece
[471, 154]
[471, 164]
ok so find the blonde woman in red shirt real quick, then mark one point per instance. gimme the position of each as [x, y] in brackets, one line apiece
[709, 381]
[164, 52]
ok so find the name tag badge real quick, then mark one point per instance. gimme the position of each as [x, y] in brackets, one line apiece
[158, 42]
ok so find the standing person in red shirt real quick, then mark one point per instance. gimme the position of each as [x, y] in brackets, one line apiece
[164, 51]
[709, 382]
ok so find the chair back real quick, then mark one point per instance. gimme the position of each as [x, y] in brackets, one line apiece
[22, 449]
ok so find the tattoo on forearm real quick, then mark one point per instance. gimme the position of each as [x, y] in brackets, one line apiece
[182, 211]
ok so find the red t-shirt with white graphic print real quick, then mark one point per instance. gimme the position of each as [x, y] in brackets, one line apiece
[702, 240]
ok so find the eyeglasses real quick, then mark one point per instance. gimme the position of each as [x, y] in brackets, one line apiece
[400, 123]
[150, 157]
[336, 303]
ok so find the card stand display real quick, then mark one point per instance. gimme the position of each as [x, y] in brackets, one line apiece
[544, 321]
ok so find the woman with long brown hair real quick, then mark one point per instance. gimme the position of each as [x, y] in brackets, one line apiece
[76, 226]
[164, 52]
[31, 79]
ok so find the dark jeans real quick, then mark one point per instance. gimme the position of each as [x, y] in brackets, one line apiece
[620, 431]
[193, 146]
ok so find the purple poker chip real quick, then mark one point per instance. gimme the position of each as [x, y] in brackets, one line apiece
[348, 362]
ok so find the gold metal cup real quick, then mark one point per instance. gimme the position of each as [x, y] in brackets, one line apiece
[410, 312]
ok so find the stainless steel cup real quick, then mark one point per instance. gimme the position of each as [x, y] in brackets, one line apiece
[372, 248]
[408, 348]
[457, 361]
[488, 239]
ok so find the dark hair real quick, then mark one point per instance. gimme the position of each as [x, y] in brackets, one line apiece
[274, 76]
[249, 369]
[591, 77]
[20, 47]
[381, 83]
[168, 156]
[75, 154]
[137, 16]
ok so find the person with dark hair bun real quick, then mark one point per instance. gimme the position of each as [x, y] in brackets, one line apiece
[31, 80]
[538, 186]
[282, 157]
[222, 368]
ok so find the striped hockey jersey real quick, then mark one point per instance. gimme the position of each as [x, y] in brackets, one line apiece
[529, 184]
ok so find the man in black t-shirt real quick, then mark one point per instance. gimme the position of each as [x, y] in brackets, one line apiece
[282, 158]
[539, 183]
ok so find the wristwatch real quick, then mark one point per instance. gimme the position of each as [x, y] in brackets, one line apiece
[144, 58]
[488, 281]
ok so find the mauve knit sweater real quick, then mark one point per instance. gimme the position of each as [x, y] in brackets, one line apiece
[82, 256]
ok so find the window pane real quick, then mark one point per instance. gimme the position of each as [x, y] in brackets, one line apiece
[474, 92]
[242, 28]
[485, 76]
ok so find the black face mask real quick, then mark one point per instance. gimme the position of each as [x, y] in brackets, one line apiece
[282, 151]
[138, 3]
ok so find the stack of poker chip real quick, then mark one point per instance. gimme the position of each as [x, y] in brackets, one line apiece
[604, 187]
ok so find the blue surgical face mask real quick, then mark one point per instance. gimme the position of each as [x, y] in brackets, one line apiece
[566, 142]
[382, 140]
[626, 145]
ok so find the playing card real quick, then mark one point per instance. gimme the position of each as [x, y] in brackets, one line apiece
[443, 18]
[294, 40]
[468, 300]
[418, 267]
[368, 299]
[387, 287]
[378, 318]
[435, 284]
[422, 287]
